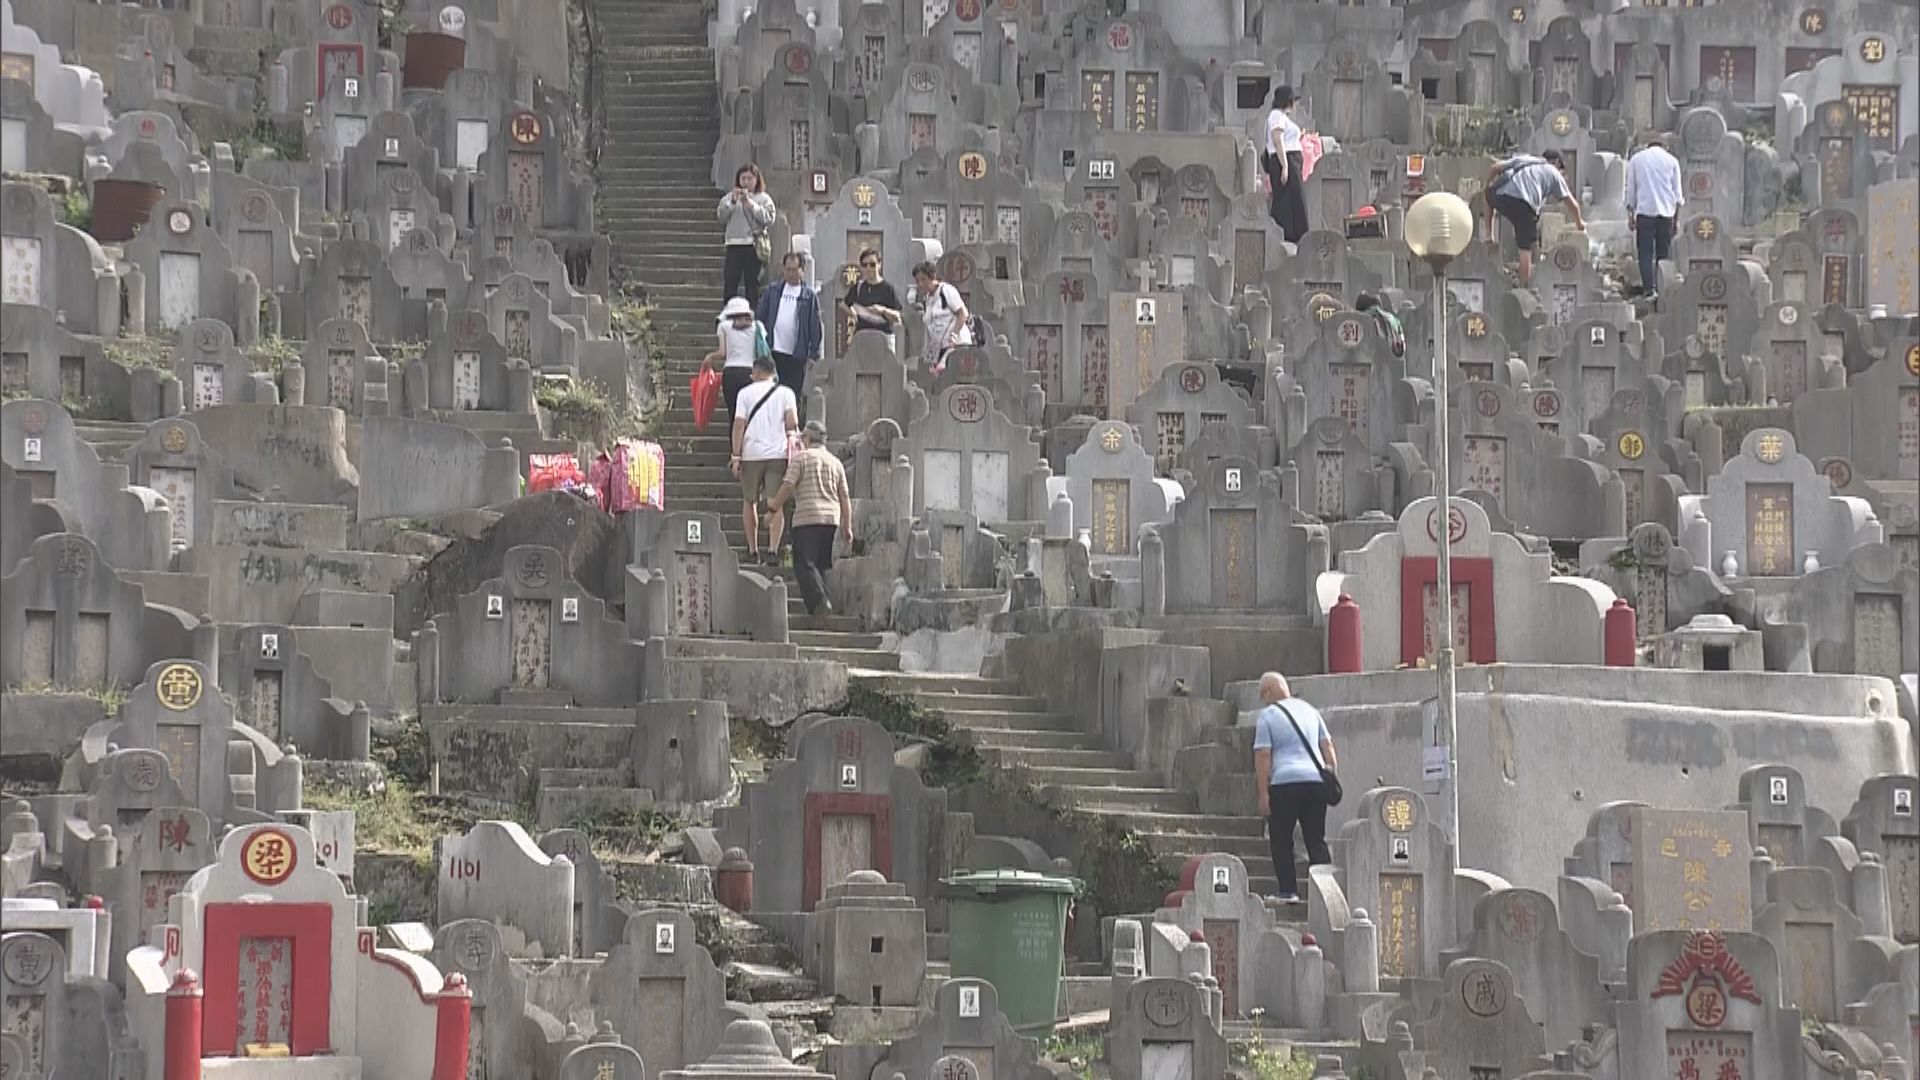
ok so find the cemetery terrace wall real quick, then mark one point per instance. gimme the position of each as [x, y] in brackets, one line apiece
[1529, 735]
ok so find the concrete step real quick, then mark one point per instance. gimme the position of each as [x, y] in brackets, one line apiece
[1171, 822]
[1017, 739]
[864, 659]
[1124, 778]
[999, 721]
[1247, 847]
[959, 703]
[1074, 758]
[1154, 799]
[828, 639]
[797, 624]
[933, 686]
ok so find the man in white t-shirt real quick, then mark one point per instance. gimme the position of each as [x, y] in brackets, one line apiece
[767, 414]
[1290, 746]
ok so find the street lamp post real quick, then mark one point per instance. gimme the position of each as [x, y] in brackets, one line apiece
[1439, 227]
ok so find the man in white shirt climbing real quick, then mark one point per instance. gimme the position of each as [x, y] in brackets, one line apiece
[768, 414]
[1653, 204]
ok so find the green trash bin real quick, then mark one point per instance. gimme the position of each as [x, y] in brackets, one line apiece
[1009, 927]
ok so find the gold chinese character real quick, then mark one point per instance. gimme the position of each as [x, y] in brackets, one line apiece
[178, 687]
[1694, 872]
[1873, 50]
[1669, 848]
[1397, 814]
[1722, 848]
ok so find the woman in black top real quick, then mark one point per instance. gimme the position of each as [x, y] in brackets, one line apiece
[873, 303]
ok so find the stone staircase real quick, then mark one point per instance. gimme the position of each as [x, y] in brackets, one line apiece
[1045, 751]
[656, 201]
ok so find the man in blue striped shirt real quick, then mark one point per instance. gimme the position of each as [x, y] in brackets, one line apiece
[1653, 203]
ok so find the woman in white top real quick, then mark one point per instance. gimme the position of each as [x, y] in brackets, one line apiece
[945, 314]
[739, 333]
[1285, 168]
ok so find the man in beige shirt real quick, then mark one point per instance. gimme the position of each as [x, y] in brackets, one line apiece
[822, 506]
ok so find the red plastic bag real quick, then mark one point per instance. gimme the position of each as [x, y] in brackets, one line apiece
[545, 472]
[706, 394]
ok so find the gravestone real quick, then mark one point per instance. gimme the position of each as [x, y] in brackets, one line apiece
[1397, 864]
[1690, 870]
[1893, 245]
[173, 460]
[1884, 821]
[1768, 508]
[1235, 545]
[73, 621]
[1480, 1023]
[968, 457]
[964, 1022]
[1789, 346]
[1111, 482]
[598, 918]
[1161, 1031]
[1560, 985]
[1779, 817]
[167, 847]
[496, 872]
[1232, 919]
[1187, 397]
[187, 267]
[503, 1037]
[660, 990]
[1814, 933]
[1705, 1003]
[212, 371]
[860, 385]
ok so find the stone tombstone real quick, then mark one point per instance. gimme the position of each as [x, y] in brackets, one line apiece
[33, 983]
[503, 1039]
[167, 847]
[1110, 480]
[278, 693]
[1349, 372]
[173, 460]
[1560, 985]
[336, 359]
[1066, 341]
[1893, 245]
[1836, 156]
[1814, 933]
[1840, 241]
[1398, 866]
[1850, 424]
[1706, 1003]
[864, 215]
[1188, 396]
[496, 872]
[531, 630]
[267, 922]
[969, 458]
[993, 368]
[1630, 446]
[873, 42]
[964, 1022]
[187, 267]
[1789, 344]
[128, 786]
[1232, 919]
[598, 918]
[256, 229]
[1779, 817]
[1769, 508]
[521, 317]
[1322, 276]
[1107, 190]
[1690, 870]
[1566, 280]
[1595, 362]
[531, 170]
[1350, 92]
[1234, 545]
[1885, 821]
[692, 586]
[1480, 1022]
[1524, 472]
[1712, 169]
[861, 385]
[1715, 309]
[468, 369]
[179, 710]
[968, 199]
[55, 266]
[1161, 1031]
[351, 281]
[73, 622]
[211, 370]
[661, 991]
[599, 1060]
[1701, 243]
[839, 805]
[1338, 480]
[797, 133]
[1338, 187]
[42, 443]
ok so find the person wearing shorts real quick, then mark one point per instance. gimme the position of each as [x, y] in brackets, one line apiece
[767, 415]
[1518, 188]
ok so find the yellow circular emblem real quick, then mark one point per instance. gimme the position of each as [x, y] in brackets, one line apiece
[1632, 445]
[178, 687]
[268, 856]
[1397, 814]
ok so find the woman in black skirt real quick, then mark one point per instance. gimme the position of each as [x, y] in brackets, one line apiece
[1284, 167]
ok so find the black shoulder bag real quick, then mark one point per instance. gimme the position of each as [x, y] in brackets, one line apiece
[1329, 780]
